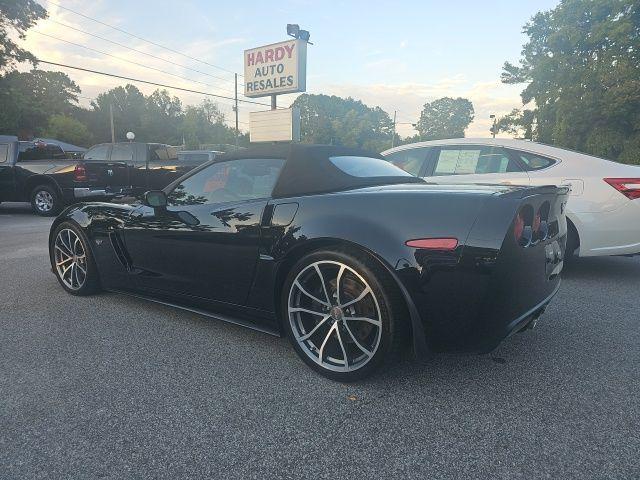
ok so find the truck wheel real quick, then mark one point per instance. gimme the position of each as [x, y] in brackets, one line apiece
[45, 201]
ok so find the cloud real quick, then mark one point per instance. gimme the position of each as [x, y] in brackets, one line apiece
[387, 64]
[407, 99]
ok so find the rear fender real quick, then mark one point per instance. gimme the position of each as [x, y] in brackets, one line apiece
[34, 180]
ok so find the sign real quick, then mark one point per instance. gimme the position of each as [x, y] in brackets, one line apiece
[275, 69]
[275, 125]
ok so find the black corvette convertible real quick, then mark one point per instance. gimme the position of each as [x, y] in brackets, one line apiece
[335, 247]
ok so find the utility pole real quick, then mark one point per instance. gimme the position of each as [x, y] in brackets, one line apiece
[235, 108]
[113, 132]
[273, 102]
[393, 135]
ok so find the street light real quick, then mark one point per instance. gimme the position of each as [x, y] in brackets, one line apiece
[293, 30]
[493, 128]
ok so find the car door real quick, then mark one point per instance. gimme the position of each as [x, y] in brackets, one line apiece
[206, 243]
[476, 164]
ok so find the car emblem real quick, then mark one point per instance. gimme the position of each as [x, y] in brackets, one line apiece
[110, 172]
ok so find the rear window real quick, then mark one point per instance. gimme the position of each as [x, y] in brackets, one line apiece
[534, 161]
[39, 151]
[367, 167]
[470, 160]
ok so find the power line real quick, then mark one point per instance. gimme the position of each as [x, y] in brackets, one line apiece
[151, 83]
[140, 51]
[124, 59]
[140, 38]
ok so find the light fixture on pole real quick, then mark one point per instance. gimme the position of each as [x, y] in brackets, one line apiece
[293, 30]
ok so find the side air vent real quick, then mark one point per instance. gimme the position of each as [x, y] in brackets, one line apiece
[120, 250]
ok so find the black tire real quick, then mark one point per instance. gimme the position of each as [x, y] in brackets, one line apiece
[45, 201]
[384, 291]
[91, 283]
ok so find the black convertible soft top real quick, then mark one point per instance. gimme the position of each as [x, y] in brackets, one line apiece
[309, 170]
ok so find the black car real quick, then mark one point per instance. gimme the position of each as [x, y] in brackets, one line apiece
[336, 247]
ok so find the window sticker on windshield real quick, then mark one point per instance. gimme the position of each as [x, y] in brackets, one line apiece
[467, 161]
[447, 161]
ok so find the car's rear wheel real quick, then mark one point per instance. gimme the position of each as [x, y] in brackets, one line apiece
[72, 260]
[341, 314]
[45, 201]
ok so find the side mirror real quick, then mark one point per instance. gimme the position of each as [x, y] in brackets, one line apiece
[155, 199]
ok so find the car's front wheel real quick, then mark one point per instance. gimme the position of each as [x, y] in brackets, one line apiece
[341, 314]
[72, 260]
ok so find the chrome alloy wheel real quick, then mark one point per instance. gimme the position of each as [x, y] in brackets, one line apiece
[71, 259]
[334, 316]
[43, 201]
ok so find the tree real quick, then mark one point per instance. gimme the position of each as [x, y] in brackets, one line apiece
[581, 67]
[28, 99]
[17, 16]
[163, 115]
[445, 118]
[129, 107]
[204, 124]
[343, 121]
[519, 123]
[68, 129]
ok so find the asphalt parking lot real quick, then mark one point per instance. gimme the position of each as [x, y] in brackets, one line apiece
[115, 387]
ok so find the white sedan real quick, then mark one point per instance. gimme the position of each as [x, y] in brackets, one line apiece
[603, 211]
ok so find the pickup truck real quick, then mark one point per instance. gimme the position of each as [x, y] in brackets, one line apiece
[106, 171]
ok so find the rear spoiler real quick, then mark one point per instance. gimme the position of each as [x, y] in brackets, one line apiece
[524, 192]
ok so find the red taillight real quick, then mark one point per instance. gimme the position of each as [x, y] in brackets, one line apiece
[518, 227]
[80, 173]
[433, 243]
[536, 223]
[629, 187]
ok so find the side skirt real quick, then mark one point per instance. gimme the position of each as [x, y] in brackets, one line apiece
[224, 318]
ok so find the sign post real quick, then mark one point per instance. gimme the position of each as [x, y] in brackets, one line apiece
[276, 69]
[269, 71]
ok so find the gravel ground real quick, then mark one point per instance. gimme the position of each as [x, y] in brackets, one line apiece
[115, 387]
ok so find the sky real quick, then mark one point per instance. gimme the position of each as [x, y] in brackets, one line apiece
[395, 55]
